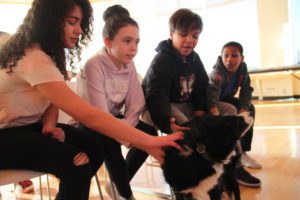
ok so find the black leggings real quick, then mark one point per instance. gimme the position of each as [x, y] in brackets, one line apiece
[24, 147]
[246, 140]
[121, 171]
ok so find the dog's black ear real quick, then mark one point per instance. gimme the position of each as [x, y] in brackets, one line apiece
[193, 125]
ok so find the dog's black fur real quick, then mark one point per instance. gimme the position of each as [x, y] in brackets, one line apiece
[210, 147]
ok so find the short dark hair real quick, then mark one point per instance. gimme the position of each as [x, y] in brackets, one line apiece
[234, 44]
[115, 18]
[185, 20]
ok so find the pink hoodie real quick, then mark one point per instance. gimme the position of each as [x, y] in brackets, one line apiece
[115, 91]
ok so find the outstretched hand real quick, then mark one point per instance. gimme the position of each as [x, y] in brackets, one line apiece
[156, 145]
[176, 127]
[54, 132]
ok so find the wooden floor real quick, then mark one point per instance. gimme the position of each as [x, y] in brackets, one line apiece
[275, 145]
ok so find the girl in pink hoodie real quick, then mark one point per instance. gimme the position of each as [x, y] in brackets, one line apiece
[109, 81]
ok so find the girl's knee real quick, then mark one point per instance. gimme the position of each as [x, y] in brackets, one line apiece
[232, 111]
[76, 169]
[81, 159]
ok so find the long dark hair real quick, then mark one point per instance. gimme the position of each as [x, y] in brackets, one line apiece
[44, 24]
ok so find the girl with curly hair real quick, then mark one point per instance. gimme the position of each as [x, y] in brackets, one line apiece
[32, 89]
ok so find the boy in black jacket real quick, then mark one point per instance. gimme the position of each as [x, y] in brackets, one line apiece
[176, 81]
[229, 76]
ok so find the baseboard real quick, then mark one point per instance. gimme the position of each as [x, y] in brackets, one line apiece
[277, 97]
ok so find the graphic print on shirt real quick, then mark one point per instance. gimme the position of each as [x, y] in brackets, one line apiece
[186, 86]
[116, 90]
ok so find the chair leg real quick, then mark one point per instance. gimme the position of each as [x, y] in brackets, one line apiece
[113, 190]
[41, 189]
[48, 187]
[153, 163]
[173, 197]
[106, 174]
[99, 187]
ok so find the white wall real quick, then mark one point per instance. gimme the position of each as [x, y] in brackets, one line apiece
[236, 21]
[11, 16]
[223, 21]
[294, 8]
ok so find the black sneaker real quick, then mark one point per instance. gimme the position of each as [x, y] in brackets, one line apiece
[246, 179]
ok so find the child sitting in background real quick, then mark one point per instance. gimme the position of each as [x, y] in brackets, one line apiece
[229, 75]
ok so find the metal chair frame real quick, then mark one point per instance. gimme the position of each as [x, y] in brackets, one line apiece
[12, 176]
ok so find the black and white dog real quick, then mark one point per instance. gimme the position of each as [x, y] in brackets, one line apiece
[209, 149]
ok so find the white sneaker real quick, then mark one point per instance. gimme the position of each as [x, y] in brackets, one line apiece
[109, 191]
[247, 161]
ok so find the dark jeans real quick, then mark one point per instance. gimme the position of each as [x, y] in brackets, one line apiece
[121, 171]
[25, 147]
[246, 140]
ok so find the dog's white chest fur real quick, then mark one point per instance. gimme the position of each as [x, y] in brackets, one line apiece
[200, 192]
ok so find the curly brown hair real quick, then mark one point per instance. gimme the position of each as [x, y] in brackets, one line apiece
[44, 24]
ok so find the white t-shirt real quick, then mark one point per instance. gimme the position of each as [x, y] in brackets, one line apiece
[20, 102]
